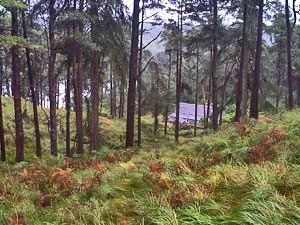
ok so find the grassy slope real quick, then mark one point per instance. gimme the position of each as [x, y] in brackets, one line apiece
[244, 174]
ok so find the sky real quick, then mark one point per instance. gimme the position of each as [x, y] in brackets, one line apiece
[129, 3]
[165, 15]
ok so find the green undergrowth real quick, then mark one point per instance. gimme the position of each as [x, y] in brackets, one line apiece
[246, 173]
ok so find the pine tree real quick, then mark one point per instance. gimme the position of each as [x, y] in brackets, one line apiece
[257, 69]
[132, 76]
[2, 140]
[289, 55]
[16, 87]
[52, 77]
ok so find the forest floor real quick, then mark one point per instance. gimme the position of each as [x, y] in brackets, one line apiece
[246, 173]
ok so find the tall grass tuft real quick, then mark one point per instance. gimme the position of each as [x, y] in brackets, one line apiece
[274, 210]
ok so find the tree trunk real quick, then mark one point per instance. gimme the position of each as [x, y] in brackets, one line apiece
[208, 102]
[178, 71]
[177, 125]
[36, 80]
[52, 78]
[68, 106]
[95, 99]
[33, 92]
[227, 76]
[78, 101]
[122, 97]
[240, 92]
[245, 84]
[2, 139]
[139, 78]
[68, 94]
[132, 75]
[214, 69]
[114, 104]
[168, 92]
[196, 93]
[112, 92]
[204, 104]
[40, 86]
[156, 122]
[279, 74]
[298, 92]
[255, 85]
[289, 55]
[111, 89]
[16, 87]
[95, 83]
[57, 95]
[78, 89]
[101, 93]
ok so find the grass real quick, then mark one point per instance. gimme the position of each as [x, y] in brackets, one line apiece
[247, 173]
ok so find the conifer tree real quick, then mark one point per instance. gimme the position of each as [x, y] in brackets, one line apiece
[52, 77]
[16, 87]
[132, 76]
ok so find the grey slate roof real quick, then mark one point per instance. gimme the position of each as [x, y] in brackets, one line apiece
[187, 111]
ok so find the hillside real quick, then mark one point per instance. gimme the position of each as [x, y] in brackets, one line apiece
[243, 174]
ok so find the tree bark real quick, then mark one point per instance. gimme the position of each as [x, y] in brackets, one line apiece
[121, 100]
[132, 75]
[78, 101]
[156, 88]
[139, 78]
[208, 108]
[242, 76]
[68, 106]
[114, 105]
[78, 88]
[31, 76]
[245, 84]
[57, 94]
[279, 74]
[2, 138]
[111, 89]
[95, 83]
[16, 88]
[68, 94]
[204, 104]
[101, 96]
[289, 55]
[178, 71]
[255, 85]
[196, 92]
[168, 92]
[52, 78]
[227, 76]
[214, 68]
[112, 92]
[95, 100]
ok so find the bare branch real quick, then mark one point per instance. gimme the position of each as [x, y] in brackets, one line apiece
[147, 30]
[295, 14]
[148, 17]
[154, 39]
[145, 67]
